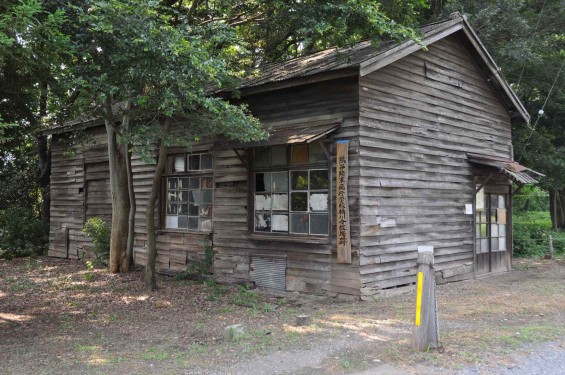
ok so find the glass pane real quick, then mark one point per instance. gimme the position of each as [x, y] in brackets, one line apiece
[195, 196]
[194, 162]
[263, 222]
[501, 216]
[493, 216]
[478, 247]
[194, 183]
[319, 202]
[280, 181]
[484, 245]
[494, 230]
[319, 224]
[280, 202]
[206, 161]
[494, 244]
[502, 243]
[192, 210]
[172, 183]
[279, 155]
[299, 223]
[171, 209]
[502, 201]
[319, 180]
[262, 182]
[183, 221]
[183, 209]
[192, 222]
[206, 225]
[483, 216]
[299, 201]
[280, 223]
[261, 156]
[183, 196]
[316, 152]
[300, 153]
[262, 202]
[493, 201]
[502, 230]
[183, 183]
[483, 230]
[206, 196]
[172, 222]
[478, 231]
[205, 211]
[207, 183]
[172, 196]
[178, 166]
[480, 199]
[299, 180]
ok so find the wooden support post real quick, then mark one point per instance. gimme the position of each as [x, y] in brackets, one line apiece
[426, 330]
[550, 247]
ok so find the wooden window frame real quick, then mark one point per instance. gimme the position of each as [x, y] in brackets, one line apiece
[186, 173]
[290, 167]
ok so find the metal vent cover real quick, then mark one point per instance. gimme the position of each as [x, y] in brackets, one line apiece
[268, 272]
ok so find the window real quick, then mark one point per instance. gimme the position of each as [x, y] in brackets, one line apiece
[490, 222]
[291, 190]
[189, 189]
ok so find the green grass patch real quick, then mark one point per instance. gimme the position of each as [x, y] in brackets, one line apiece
[531, 231]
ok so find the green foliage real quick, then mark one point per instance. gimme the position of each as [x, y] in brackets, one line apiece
[89, 275]
[531, 231]
[97, 229]
[21, 233]
[530, 198]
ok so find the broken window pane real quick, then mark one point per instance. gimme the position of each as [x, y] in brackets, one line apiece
[318, 201]
[183, 209]
[299, 201]
[280, 181]
[172, 222]
[172, 196]
[319, 224]
[299, 180]
[206, 196]
[299, 223]
[280, 202]
[192, 210]
[205, 211]
[262, 202]
[263, 222]
[278, 155]
[263, 182]
[300, 153]
[183, 183]
[261, 156]
[179, 164]
[280, 223]
[316, 152]
[183, 196]
[319, 180]
[194, 162]
[205, 161]
[207, 183]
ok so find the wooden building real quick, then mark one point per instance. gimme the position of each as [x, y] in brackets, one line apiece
[373, 152]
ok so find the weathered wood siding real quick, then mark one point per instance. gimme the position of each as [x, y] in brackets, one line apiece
[311, 264]
[418, 118]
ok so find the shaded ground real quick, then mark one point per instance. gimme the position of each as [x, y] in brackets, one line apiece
[56, 318]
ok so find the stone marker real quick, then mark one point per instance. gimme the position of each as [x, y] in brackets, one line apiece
[303, 320]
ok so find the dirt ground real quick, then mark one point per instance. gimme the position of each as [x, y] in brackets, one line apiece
[56, 317]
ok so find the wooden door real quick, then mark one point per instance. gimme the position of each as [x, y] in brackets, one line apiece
[491, 232]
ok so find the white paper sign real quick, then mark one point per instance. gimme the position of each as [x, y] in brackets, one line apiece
[468, 209]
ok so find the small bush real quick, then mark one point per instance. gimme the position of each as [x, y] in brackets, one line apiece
[531, 231]
[21, 233]
[197, 270]
[97, 229]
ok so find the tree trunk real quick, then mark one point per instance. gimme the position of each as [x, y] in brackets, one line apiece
[44, 156]
[150, 282]
[131, 192]
[120, 195]
[557, 208]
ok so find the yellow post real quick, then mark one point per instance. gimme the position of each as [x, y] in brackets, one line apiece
[419, 287]
[426, 334]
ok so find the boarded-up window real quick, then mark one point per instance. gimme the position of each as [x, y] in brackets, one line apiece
[98, 198]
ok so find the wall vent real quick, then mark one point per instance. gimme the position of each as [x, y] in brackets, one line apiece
[268, 272]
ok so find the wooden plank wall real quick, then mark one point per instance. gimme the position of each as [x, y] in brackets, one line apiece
[418, 118]
[311, 267]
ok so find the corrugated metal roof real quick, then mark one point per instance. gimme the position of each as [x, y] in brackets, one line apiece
[509, 167]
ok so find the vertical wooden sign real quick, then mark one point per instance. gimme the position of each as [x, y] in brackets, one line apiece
[342, 203]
